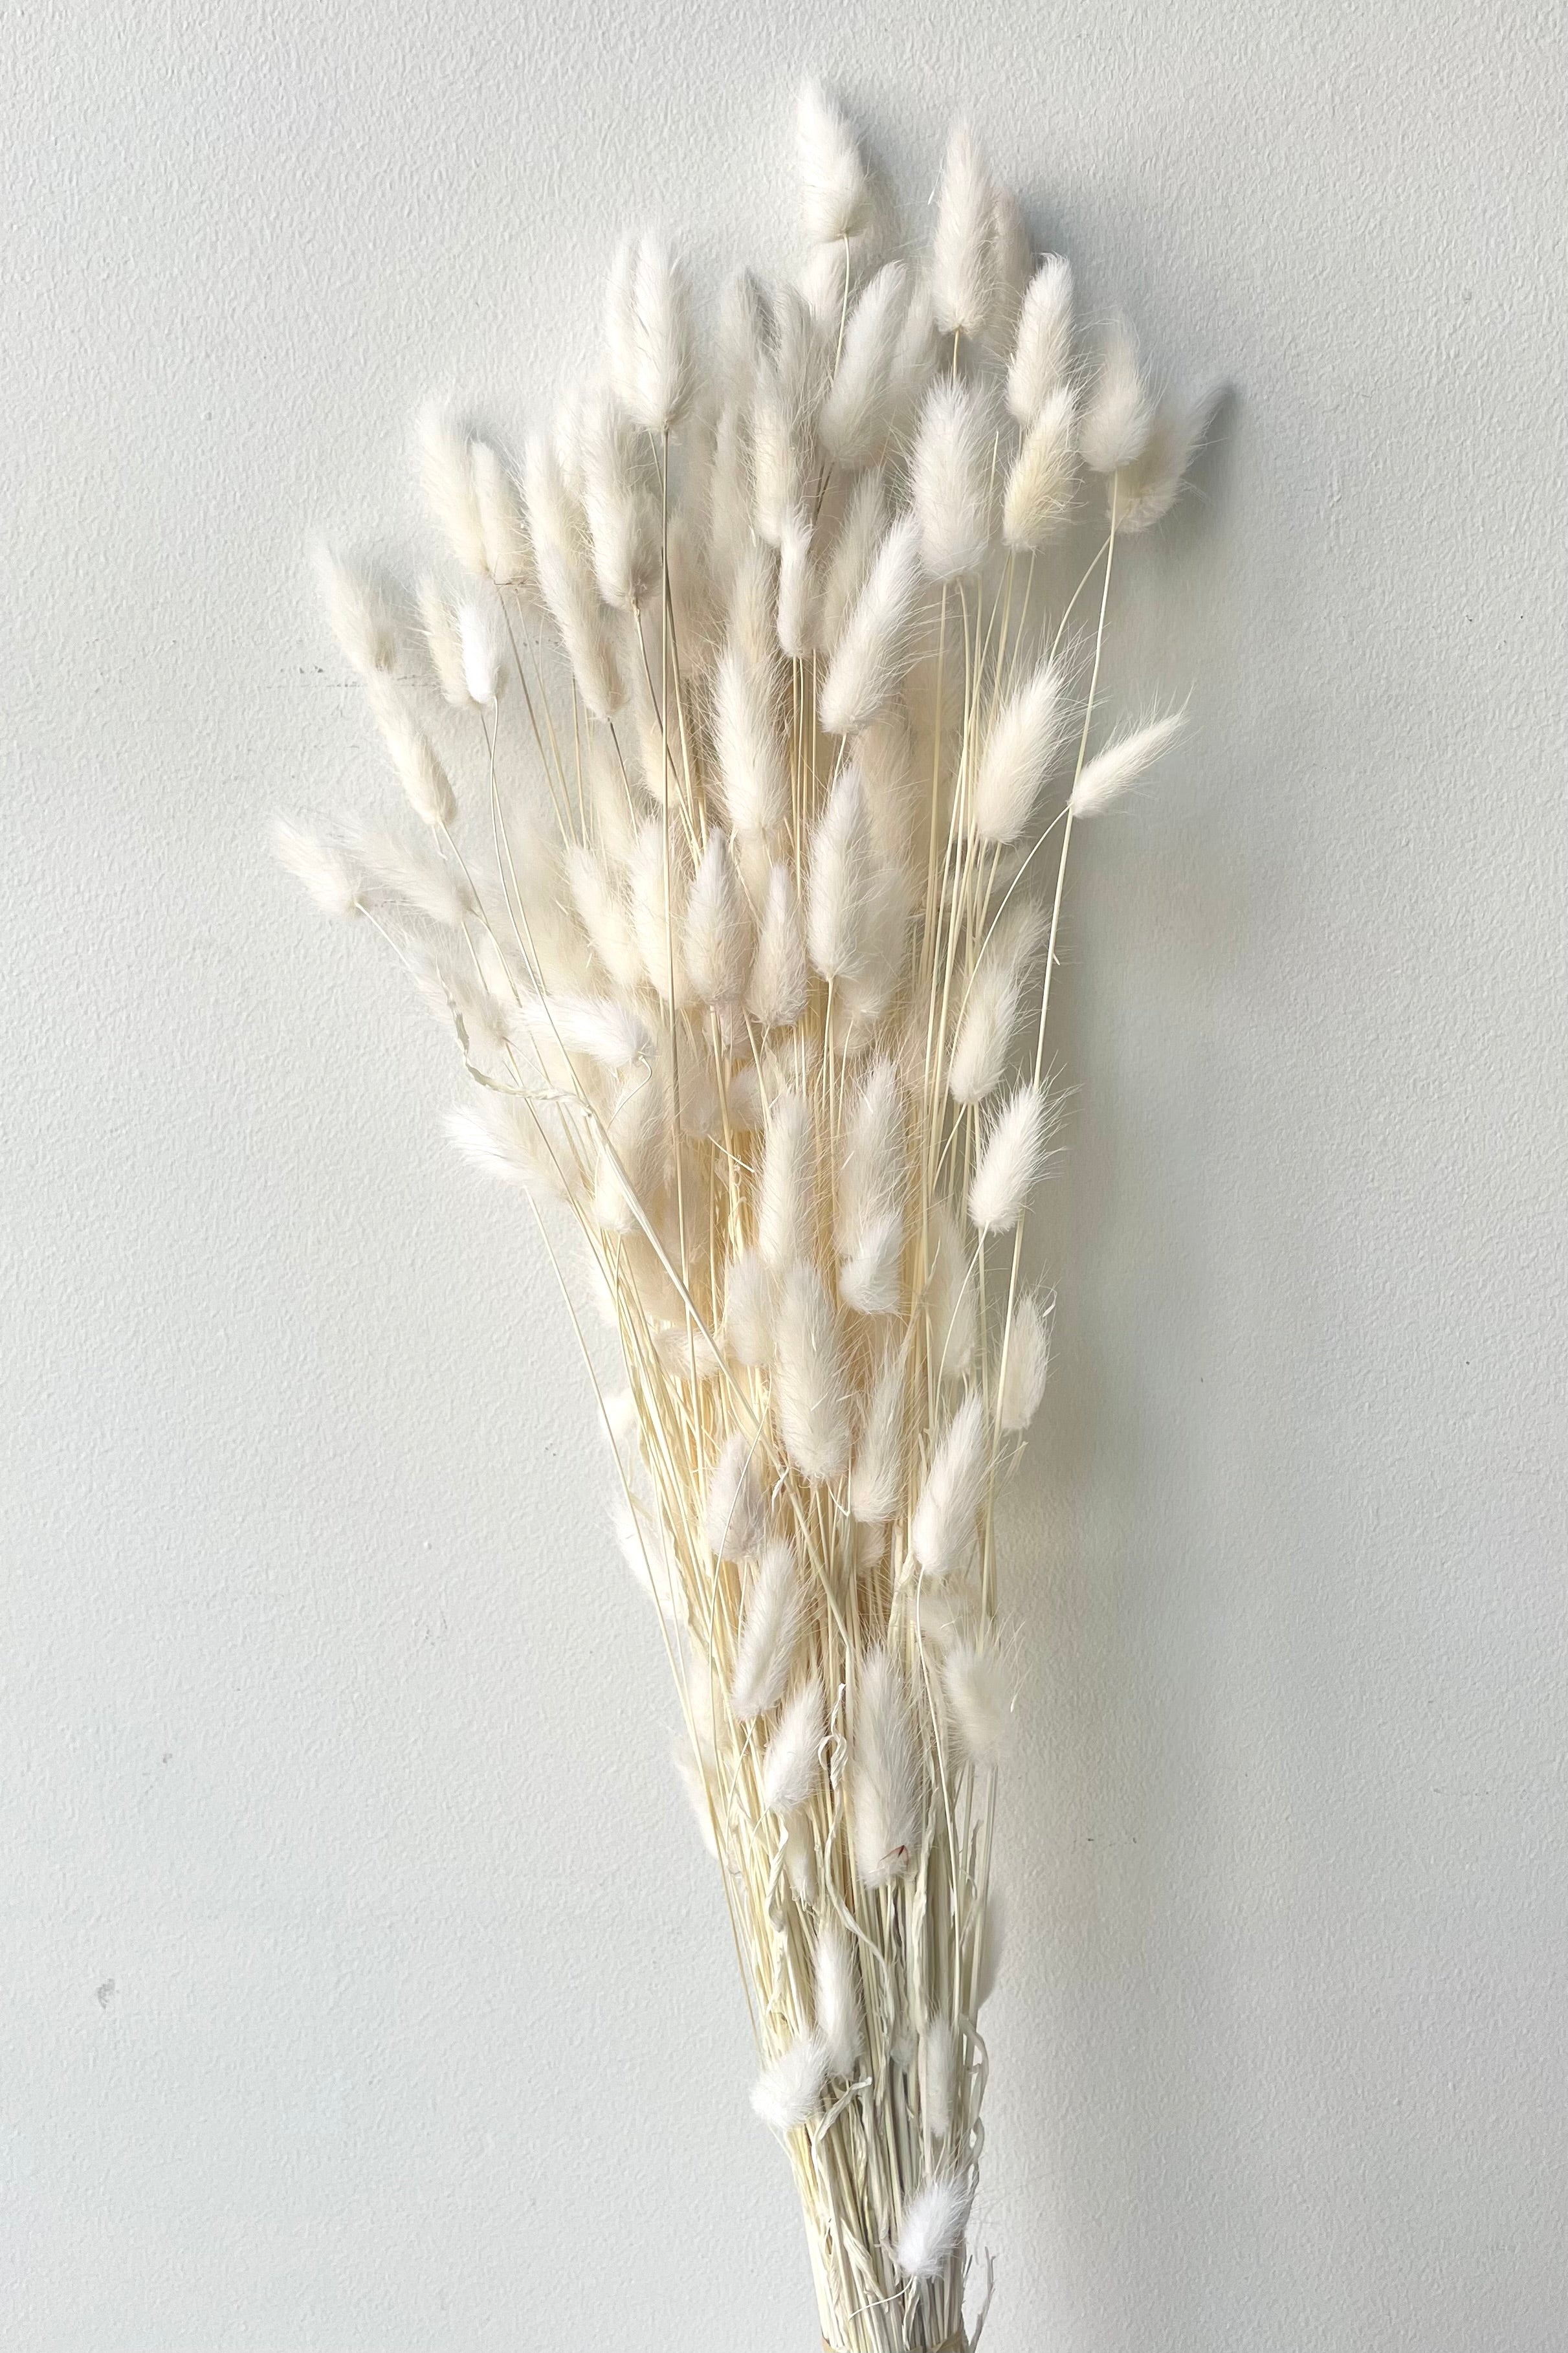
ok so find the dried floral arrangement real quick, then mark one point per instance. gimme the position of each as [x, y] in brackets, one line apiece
[774, 712]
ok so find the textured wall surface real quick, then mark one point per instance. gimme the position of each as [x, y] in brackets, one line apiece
[363, 1988]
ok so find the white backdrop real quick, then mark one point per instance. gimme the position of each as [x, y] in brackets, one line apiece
[364, 1987]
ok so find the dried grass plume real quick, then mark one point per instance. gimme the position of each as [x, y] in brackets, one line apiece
[747, 714]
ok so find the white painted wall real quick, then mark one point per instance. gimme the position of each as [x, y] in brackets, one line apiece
[363, 1987]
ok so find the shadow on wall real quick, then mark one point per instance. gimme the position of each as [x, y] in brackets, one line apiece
[1104, 1796]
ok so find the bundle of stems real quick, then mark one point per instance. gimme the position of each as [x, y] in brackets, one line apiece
[744, 922]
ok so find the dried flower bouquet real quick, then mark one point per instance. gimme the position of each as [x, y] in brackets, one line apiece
[774, 739]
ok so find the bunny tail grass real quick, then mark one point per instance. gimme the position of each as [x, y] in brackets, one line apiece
[725, 759]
